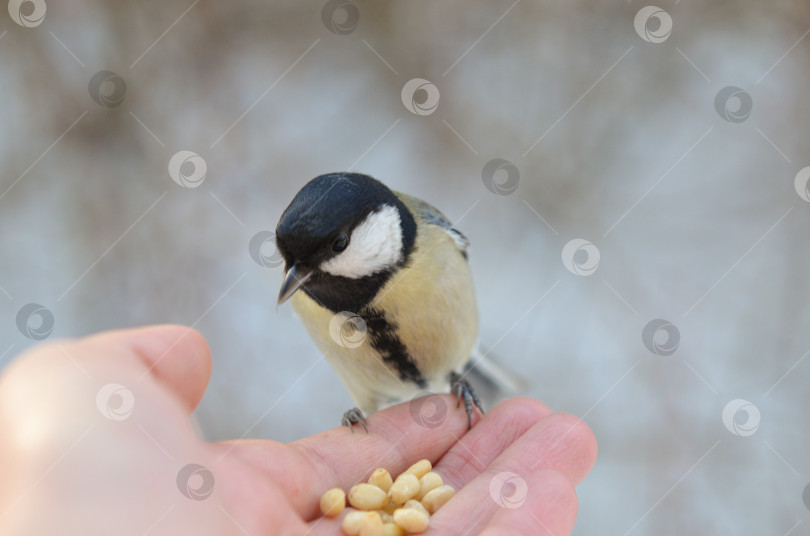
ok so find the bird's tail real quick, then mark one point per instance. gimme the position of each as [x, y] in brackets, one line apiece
[491, 380]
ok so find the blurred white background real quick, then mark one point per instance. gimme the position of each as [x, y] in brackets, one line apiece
[621, 134]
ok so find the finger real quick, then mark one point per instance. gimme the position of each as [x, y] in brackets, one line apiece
[549, 508]
[178, 357]
[565, 444]
[560, 443]
[499, 428]
[59, 387]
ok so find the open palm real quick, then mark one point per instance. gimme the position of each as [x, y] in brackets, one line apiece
[95, 437]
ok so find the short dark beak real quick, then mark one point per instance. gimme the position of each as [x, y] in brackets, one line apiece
[293, 280]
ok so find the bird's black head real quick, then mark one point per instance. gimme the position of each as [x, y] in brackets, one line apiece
[342, 237]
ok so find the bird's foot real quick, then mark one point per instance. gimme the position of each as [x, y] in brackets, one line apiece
[462, 389]
[352, 417]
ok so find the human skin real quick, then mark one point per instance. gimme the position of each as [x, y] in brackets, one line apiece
[67, 468]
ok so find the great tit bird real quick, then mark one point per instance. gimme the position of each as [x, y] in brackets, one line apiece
[380, 281]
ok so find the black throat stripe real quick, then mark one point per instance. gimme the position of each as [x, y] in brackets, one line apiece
[383, 337]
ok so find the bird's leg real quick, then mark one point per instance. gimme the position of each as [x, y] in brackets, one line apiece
[352, 417]
[462, 389]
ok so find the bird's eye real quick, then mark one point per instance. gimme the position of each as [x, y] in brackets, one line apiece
[340, 243]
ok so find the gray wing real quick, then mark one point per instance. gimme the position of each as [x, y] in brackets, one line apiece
[434, 216]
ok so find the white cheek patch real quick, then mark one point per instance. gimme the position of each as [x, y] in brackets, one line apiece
[375, 245]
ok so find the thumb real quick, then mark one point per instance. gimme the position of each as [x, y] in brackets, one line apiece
[177, 357]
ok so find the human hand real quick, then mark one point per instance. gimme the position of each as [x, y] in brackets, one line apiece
[79, 457]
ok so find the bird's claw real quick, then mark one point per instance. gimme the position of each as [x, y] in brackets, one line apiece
[352, 417]
[462, 389]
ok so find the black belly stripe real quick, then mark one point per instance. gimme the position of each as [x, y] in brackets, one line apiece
[383, 337]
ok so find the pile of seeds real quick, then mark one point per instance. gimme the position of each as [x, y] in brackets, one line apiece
[388, 507]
